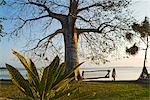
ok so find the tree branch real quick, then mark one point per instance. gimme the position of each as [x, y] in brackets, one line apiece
[79, 31]
[100, 29]
[59, 17]
[58, 4]
[86, 8]
[1, 35]
[36, 18]
[25, 21]
[103, 5]
[83, 19]
[97, 30]
[49, 38]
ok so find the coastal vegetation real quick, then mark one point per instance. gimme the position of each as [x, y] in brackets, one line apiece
[52, 83]
[142, 34]
[90, 29]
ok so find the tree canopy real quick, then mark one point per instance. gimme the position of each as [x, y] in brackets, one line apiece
[142, 33]
[107, 18]
[89, 28]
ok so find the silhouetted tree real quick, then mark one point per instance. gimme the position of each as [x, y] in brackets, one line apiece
[97, 23]
[143, 31]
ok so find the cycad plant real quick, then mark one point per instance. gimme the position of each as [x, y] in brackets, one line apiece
[52, 84]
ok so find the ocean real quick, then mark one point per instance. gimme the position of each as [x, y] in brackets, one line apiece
[122, 73]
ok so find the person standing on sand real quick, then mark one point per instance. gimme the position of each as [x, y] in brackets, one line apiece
[113, 74]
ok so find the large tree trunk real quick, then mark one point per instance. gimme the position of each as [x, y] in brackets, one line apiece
[71, 39]
[71, 48]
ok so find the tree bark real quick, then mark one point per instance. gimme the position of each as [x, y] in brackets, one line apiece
[144, 70]
[146, 52]
[71, 47]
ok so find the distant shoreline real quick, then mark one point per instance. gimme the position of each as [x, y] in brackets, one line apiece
[123, 73]
[2, 67]
[8, 81]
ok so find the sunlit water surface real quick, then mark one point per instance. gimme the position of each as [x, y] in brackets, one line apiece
[122, 73]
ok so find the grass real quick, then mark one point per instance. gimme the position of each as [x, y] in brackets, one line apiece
[91, 91]
[9, 90]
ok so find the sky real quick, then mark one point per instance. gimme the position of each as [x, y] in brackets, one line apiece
[141, 8]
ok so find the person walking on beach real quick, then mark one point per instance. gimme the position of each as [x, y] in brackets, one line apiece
[113, 74]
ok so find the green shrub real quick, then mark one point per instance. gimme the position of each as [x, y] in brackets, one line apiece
[51, 84]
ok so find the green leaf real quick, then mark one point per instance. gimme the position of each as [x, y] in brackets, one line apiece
[63, 84]
[32, 67]
[62, 88]
[34, 71]
[60, 74]
[41, 73]
[54, 64]
[22, 59]
[30, 70]
[44, 80]
[49, 74]
[51, 94]
[66, 75]
[20, 82]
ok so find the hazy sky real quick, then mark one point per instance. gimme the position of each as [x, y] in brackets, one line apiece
[141, 8]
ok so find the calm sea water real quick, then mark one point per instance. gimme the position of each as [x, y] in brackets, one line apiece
[123, 73]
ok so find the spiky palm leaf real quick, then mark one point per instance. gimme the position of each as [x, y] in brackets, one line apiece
[31, 71]
[53, 82]
[19, 81]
